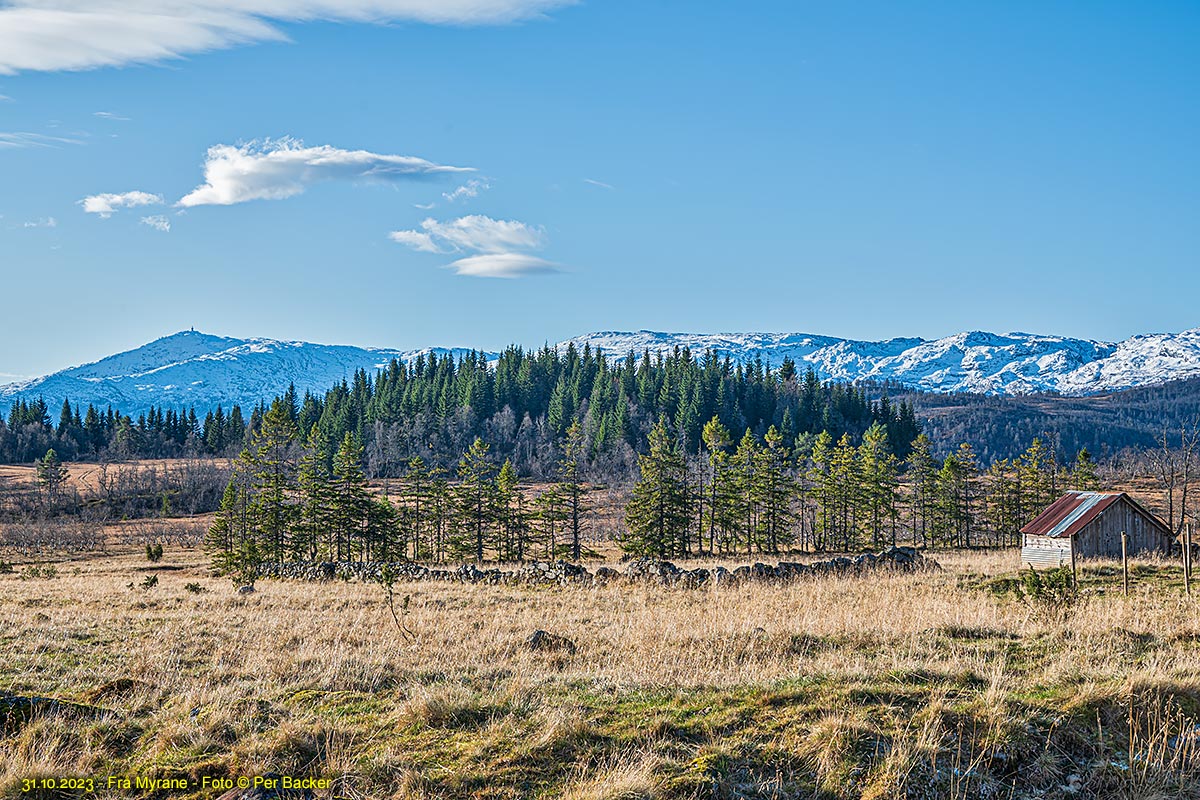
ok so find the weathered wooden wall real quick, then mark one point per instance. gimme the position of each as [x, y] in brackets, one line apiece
[1102, 537]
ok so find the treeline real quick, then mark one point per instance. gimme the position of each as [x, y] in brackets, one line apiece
[288, 501]
[759, 497]
[522, 406]
[28, 434]
[1109, 425]
[293, 500]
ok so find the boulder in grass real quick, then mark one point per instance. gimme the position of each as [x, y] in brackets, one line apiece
[542, 641]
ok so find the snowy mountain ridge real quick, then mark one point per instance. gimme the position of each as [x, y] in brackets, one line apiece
[193, 369]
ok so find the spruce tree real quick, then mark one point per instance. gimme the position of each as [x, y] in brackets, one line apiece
[476, 496]
[656, 517]
[271, 465]
[878, 468]
[922, 475]
[351, 501]
[1084, 476]
[773, 489]
[572, 487]
[51, 475]
[717, 441]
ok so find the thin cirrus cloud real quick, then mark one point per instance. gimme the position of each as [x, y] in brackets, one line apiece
[54, 35]
[470, 189]
[18, 139]
[108, 204]
[274, 170]
[497, 247]
[158, 222]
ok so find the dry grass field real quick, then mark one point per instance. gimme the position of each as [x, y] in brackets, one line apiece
[908, 685]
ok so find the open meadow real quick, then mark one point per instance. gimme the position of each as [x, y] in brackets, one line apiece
[929, 684]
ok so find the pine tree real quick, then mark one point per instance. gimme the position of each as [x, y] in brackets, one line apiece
[716, 441]
[51, 475]
[228, 537]
[271, 465]
[743, 467]
[476, 495]
[773, 489]
[823, 480]
[551, 515]
[316, 524]
[1084, 477]
[572, 487]
[880, 486]
[922, 473]
[351, 504]
[847, 482]
[510, 545]
[657, 517]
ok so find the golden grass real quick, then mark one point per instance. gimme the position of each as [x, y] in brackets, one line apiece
[830, 687]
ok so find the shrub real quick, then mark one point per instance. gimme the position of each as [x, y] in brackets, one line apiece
[1050, 593]
[194, 588]
[154, 552]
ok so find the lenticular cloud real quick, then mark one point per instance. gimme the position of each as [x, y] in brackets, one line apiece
[275, 170]
[496, 246]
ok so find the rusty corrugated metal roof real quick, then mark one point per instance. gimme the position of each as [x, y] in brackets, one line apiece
[1072, 512]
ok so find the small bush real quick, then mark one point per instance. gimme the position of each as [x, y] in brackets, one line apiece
[5, 567]
[48, 572]
[150, 582]
[154, 552]
[194, 588]
[1050, 593]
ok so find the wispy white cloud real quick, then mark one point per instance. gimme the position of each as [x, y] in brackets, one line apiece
[273, 170]
[470, 189]
[474, 233]
[110, 115]
[107, 204]
[52, 35]
[503, 265]
[417, 240]
[5, 98]
[24, 139]
[601, 184]
[496, 246]
[424, 206]
[158, 222]
[43, 222]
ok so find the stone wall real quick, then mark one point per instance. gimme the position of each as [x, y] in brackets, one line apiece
[897, 559]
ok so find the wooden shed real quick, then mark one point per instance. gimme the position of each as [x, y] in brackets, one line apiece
[1090, 524]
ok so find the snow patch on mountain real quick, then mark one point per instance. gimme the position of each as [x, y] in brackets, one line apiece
[192, 369]
[973, 361]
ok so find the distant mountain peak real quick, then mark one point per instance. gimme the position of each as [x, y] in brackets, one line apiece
[192, 368]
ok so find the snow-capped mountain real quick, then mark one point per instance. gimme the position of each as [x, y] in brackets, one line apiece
[987, 363]
[192, 369]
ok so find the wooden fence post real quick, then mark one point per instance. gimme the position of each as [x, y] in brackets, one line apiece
[1074, 565]
[1187, 560]
[1125, 561]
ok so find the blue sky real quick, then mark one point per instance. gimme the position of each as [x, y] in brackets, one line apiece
[865, 170]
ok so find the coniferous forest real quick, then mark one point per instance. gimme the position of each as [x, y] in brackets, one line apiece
[501, 461]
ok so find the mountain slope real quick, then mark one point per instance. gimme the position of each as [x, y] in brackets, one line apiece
[192, 369]
[984, 363]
